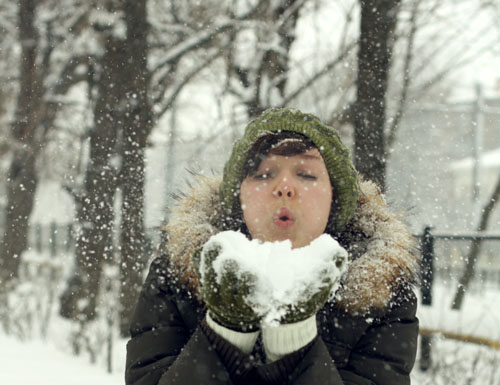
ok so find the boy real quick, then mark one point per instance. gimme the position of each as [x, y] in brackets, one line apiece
[289, 177]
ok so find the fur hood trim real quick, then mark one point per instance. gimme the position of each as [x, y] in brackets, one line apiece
[382, 251]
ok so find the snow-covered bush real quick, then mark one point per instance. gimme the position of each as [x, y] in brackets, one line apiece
[31, 309]
[28, 309]
[460, 363]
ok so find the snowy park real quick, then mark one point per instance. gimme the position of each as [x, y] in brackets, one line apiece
[286, 191]
[50, 360]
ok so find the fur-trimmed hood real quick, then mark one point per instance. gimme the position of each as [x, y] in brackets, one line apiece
[380, 246]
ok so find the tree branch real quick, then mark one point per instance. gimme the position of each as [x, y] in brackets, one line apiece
[175, 93]
[439, 48]
[454, 65]
[470, 261]
[289, 12]
[287, 99]
[406, 78]
[69, 77]
[344, 35]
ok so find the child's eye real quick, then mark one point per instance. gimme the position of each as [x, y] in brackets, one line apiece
[263, 175]
[307, 176]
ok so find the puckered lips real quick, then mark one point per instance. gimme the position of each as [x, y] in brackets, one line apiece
[284, 218]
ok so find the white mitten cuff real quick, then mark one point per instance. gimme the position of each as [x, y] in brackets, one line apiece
[243, 341]
[284, 339]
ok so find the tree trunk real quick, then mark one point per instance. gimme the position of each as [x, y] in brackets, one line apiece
[137, 127]
[132, 237]
[34, 117]
[22, 180]
[470, 261]
[21, 188]
[378, 22]
[94, 244]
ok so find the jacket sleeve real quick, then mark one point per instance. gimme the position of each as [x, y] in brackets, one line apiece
[385, 352]
[165, 338]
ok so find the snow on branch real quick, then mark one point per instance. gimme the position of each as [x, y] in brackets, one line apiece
[185, 80]
[288, 98]
[289, 13]
[70, 75]
[194, 42]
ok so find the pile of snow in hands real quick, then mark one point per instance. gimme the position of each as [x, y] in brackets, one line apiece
[285, 276]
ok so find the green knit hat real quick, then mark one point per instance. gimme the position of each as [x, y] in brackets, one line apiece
[343, 175]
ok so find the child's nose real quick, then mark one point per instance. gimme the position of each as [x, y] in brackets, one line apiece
[284, 189]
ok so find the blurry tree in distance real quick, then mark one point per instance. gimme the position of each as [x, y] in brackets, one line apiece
[41, 80]
[258, 58]
[139, 75]
[95, 198]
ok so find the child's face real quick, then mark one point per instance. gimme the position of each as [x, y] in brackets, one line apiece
[289, 197]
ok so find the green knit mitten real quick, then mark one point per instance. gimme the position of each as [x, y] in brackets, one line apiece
[314, 298]
[225, 298]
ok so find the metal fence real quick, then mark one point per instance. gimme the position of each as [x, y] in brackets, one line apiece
[443, 260]
[51, 238]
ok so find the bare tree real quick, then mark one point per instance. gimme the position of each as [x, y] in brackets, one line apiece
[35, 112]
[475, 249]
[425, 53]
[95, 201]
[136, 127]
[22, 178]
[258, 70]
[129, 85]
[378, 22]
[434, 40]
[405, 74]
[205, 39]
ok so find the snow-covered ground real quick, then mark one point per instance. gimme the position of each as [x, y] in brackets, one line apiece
[455, 362]
[36, 362]
[50, 361]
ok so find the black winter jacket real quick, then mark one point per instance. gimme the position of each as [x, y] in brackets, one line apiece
[368, 335]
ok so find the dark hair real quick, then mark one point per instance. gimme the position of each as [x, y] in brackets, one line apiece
[284, 143]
